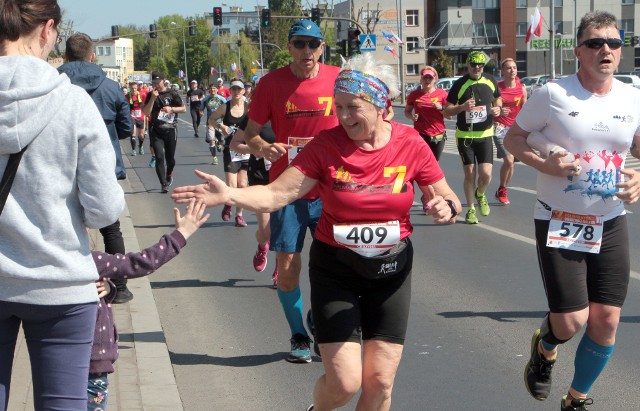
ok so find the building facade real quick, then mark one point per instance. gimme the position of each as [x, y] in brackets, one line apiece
[115, 56]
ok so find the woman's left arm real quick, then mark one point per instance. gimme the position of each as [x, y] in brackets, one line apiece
[442, 202]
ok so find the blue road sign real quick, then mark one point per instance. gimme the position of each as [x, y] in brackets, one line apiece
[368, 42]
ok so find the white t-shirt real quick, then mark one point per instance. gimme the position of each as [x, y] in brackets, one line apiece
[598, 130]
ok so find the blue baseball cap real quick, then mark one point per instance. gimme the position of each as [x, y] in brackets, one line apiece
[305, 28]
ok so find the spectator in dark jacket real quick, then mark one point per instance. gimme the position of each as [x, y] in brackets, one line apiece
[115, 112]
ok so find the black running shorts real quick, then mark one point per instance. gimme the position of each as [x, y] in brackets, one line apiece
[348, 307]
[475, 150]
[572, 279]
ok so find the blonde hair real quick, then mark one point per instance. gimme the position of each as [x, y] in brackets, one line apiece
[367, 64]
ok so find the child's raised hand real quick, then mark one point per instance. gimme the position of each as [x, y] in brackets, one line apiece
[192, 219]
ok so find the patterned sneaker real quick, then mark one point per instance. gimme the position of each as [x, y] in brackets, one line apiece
[226, 213]
[260, 259]
[274, 276]
[537, 373]
[152, 163]
[471, 217]
[312, 329]
[219, 147]
[501, 195]
[165, 189]
[300, 351]
[133, 153]
[483, 204]
[240, 221]
[169, 180]
[576, 404]
[141, 151]
[214, 161]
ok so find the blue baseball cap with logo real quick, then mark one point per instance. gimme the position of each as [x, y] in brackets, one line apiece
[305, 28]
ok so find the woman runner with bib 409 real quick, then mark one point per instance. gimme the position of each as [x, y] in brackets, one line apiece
[361, 257]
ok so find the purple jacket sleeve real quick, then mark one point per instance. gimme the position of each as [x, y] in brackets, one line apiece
[139, 264]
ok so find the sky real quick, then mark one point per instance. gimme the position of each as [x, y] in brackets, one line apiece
[95, 17]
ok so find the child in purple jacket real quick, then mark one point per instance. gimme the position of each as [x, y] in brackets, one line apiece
[131, 265]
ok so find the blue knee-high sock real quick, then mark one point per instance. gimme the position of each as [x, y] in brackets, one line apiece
[591, 358]
[292, 305]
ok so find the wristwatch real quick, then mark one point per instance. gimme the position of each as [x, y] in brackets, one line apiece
[452, 206]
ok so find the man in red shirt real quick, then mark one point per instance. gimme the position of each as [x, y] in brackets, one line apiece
[514, 96]
[298, 100]
[222, 90]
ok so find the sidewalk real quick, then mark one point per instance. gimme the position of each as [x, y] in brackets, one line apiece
[144, 378]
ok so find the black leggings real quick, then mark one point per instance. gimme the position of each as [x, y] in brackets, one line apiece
[195, 119]
[164, 145]
[114, 244]
[436, 146]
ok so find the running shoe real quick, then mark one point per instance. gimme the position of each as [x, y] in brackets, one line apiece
[483, 204]
[165, 189]
[576, 404]
[169, 180]
[312, 329]
[537, 373]
[310, 407]
[240, 221]
[214, 161]
[260, 259]
[141, 151]
[122, 296]
[152, 163]
[471, 217]
[226, 213]
[274, 276]
[300, 351]
[133, 153]
[501, 195]
[219, 146]
[196, 135]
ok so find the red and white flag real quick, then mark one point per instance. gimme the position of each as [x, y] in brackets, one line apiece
[529, 30]
[213, 71]
[535, 25]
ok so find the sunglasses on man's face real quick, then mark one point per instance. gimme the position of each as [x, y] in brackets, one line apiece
[477, 65]
[598, 42]
[313, 44]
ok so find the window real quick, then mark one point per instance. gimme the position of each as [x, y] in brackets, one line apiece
[107, 51]
[521, 3]
[478, 30]
[412, 18]
[100, 51]
[412, 45]
[484, 4]
[559, 27]
[521, 29]
[627, 2]
[557, 3]
[224, 32]
[413, 69]
[627, 25]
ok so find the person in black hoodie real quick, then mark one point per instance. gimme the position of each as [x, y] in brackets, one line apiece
[115, 112]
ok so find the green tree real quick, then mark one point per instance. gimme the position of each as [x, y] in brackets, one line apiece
[280, 59]
[443, 64]
[278, 32]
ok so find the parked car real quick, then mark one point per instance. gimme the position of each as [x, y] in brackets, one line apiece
[532, 83]
[409, 87]
[630, 79]
[445, 83]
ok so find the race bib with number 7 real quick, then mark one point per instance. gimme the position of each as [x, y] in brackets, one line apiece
[577, 232]
[368, 239]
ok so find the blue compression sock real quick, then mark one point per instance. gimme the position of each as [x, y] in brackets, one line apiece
[292, 305]
[547, 346]
[591, 358]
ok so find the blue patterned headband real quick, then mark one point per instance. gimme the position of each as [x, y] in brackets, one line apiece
[368, 88]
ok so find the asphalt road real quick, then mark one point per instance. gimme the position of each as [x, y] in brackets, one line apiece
[477, 297]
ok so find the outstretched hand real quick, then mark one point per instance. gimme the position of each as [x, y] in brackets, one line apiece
[630, 188]
[212, 192]
[437, 207]
[192, 219]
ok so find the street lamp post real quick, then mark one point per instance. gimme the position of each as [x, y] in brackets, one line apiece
[184, 47]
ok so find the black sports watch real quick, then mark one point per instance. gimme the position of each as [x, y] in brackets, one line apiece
[452, 206]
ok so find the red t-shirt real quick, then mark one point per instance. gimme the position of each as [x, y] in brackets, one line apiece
[430, 120]
[512, 98]
[352, 182]
[296, 107]
[224, 92]
[136, 102]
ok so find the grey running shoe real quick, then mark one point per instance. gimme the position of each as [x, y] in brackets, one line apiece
[300, 352]
[537, 373]
[576, 404]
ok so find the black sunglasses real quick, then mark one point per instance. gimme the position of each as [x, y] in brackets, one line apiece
[477, 64]
[313, 44]
[598, 42]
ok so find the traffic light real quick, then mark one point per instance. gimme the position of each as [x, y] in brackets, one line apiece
[217, 16]
[192, 28]
[152, 29]
[115, 31]
[354, 41]
[265, 18]
[315, 15]
[634, 41]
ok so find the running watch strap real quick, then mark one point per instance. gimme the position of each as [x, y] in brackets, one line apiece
[8, 176]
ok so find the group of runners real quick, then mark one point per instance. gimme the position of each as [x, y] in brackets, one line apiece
[331, 136]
